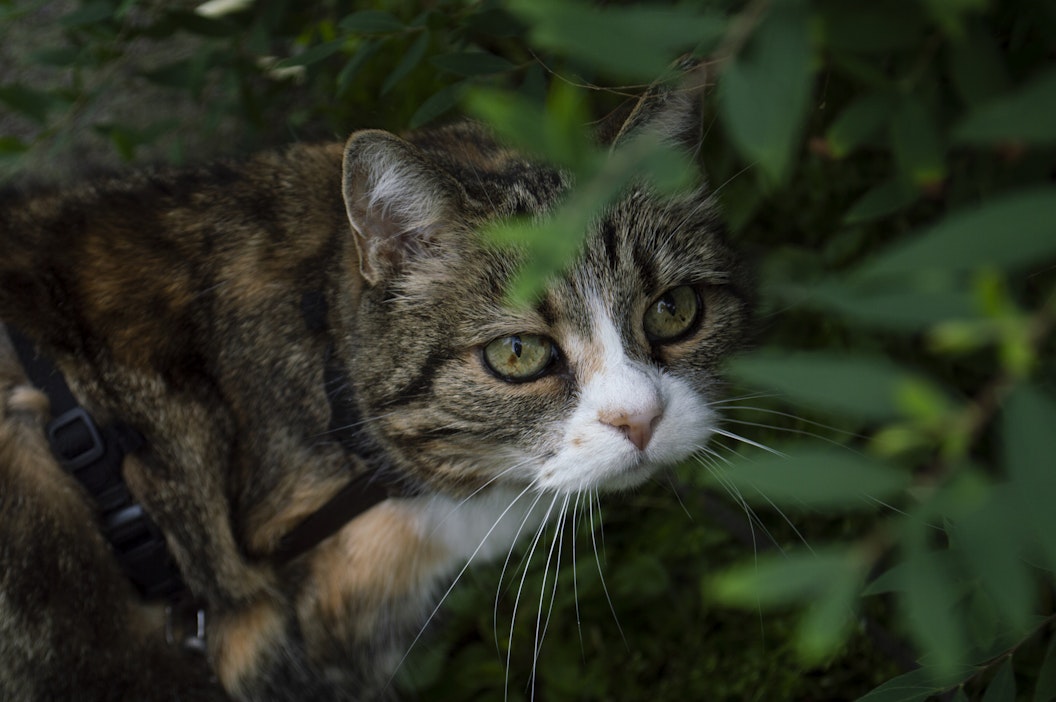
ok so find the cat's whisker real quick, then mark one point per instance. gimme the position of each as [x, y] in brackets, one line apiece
[776, 509]
[520, 589]
[737, 437]
[561, 523]
[469, 560]
[575, 576]
[505, 565]
[470, 496]
[591, 498]
[540, 629]
[753, 518]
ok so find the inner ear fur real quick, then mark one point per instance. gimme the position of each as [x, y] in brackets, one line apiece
[397, 201]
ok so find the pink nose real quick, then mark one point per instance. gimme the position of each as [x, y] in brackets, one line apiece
[638, 428]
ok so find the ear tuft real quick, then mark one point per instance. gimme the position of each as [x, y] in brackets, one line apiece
[670, 108]
[396, 201]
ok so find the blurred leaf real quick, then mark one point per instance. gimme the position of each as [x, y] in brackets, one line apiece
[870, 27]
[916, 144]
[1029, 444]
[60, 56]
[87, 14]
[914, 686]
[858, 123]
[437, 104]
[33, 103]
[472, 63]
[782, 579]
[977, 67]
[862, 386]
[988, 542]
[312, 54]
[895, 310]
[929, 602]
[830, 617]
[823, 477]
[411, 58]
[494, 22]
[643, 576]
[363, 54]
[1013, 231]
[635, 42]
[1045, 687]
[1026, 116]
[882, 200]
[765, 92]
[371, 22]
[1003, 687]
[10, 146]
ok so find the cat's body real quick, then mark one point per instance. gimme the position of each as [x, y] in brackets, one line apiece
[204, 309]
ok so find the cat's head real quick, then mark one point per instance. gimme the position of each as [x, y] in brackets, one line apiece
[611, 373]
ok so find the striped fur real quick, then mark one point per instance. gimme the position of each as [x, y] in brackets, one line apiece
[174, 301]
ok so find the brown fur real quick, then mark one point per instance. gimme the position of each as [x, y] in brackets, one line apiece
[174, 301]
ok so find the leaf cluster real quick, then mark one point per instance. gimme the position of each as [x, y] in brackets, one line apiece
[891, 167]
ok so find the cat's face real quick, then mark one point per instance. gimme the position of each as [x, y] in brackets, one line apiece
[610, 375]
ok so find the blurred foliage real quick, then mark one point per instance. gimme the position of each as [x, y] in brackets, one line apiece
[890, 165]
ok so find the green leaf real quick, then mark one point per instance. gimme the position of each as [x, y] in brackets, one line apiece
[914, 686]
[437, 104]
[1003, 687]
[363, 54]
[827, 620]
[824, 477]
[881, 201]
[60, 56]
[11, 146]
[471, 63]
[915, 141]
[895, 310]
[371, 22]
[765, 92]
[863, 387]
[858, 123]
[635, 42]
[1024, 116]
[312, 54]
[977, 67]
[33, 103]
[987, 541]
[931, 593]
[90, 13]
[1012, 232]
[781, 579]
[411, 58]
[1045, 687]
[1029, 444]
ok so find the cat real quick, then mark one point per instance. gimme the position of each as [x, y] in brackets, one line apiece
[272, 331]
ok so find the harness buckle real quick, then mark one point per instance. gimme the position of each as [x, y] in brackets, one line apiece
[75, 439]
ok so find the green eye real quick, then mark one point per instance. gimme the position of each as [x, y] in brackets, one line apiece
[672, 315]
[519, 357]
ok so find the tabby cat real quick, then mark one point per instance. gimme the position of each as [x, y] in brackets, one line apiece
[273, 329]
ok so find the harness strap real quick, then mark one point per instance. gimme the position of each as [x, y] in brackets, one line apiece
[94, 456]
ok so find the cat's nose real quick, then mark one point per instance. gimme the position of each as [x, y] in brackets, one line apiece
[637, 427]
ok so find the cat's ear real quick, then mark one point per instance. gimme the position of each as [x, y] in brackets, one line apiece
[396, 202]
[670, 108]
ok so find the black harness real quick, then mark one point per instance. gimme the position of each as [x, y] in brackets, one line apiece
[94, 456]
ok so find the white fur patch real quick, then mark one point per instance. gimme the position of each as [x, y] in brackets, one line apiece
[595, 454]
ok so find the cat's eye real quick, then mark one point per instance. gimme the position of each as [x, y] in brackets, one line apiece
[519, 357]
[672, 315]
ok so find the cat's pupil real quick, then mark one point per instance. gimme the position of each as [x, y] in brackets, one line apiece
[515, 344]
